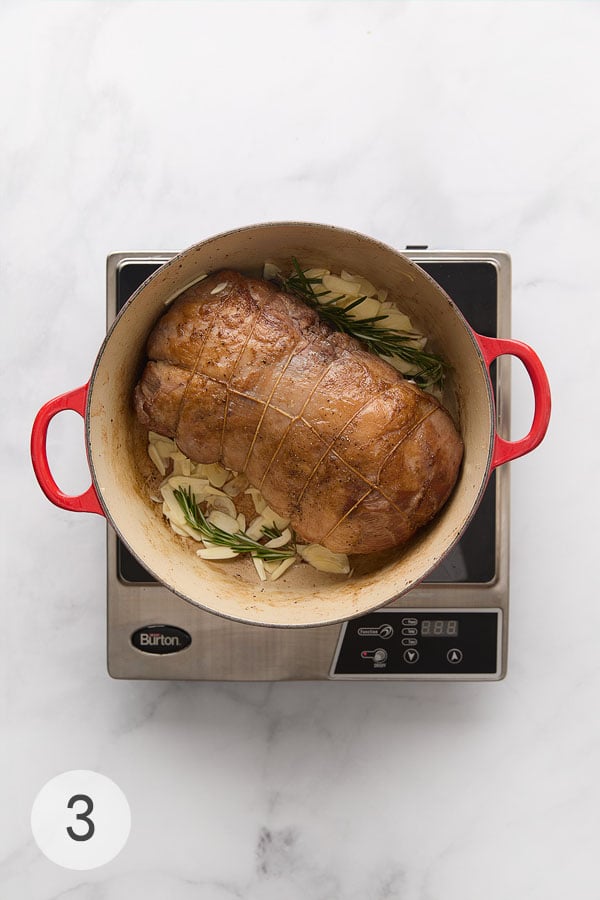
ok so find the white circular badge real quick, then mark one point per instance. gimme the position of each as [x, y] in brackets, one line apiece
[80, 819]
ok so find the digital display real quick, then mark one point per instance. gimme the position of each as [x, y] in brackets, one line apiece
[439, 628]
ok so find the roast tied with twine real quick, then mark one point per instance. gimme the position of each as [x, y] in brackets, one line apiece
[357, 457]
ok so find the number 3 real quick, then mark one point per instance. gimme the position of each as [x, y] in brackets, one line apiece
[84, 816]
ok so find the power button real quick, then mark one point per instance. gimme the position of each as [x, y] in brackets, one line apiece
[379, 656]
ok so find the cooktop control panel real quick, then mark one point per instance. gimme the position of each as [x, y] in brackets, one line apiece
[452, 643]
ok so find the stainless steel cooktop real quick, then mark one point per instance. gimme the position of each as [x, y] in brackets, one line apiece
[453, 626]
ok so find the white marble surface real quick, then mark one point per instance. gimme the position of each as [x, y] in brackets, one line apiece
[134, 125]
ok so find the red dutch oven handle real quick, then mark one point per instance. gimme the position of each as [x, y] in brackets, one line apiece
[491, 349]
[75, 400]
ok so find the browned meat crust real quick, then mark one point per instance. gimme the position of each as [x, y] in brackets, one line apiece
[354, 455]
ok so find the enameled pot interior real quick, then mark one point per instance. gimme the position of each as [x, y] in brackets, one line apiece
[116, 444]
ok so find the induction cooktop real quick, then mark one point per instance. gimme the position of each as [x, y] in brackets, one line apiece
[453, 626]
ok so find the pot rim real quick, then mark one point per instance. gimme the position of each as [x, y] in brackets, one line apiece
[486, 469]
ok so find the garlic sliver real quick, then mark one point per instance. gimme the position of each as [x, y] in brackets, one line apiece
[157, 459]
[217, 475]
[223, 521]
[254, 530]
[260, 568]
[257, 498]
[366, 288]
[283, 567]
[396, 320]
[181, 464]
[366, 309]
[402, 366]
[191, 532]
[171, 508]
[178, 530]
[273, 519]
[200, 487]
[236, 485]
[216, 553]
[223, 504]
[155, 438]
[281, 541]
[165, 448]
[324, 560]
[341, 286]
[270, 271]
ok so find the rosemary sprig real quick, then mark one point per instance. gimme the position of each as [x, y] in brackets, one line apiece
[376, 337]
[239, 542]
[271, 531]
